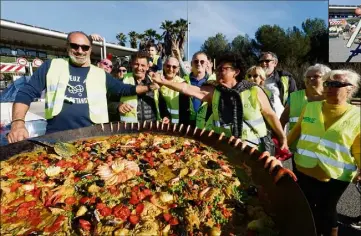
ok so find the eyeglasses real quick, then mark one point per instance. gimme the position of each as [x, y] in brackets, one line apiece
[124, 71]
[170, 66]
[335, 84]
[253, 76]
[107, 64]
[314, 77]
[267, 61]
[199, 61]
[224, 68]
[75, 46]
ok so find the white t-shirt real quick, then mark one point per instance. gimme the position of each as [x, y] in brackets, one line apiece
[275, 99]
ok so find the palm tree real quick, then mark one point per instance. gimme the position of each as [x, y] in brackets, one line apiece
[133, 37]
[167, 27]
[122, 39]
[143, 42]
[150, 35]
[160, 44]
[182, 27]
[174, 36]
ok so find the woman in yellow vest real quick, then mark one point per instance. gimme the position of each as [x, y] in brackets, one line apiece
[171, 97]
[239, 108]
[312, 92]
[328, 148]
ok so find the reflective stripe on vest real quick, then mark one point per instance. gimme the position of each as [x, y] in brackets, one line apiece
[285, 83]
[200, 115]
[298, 100]
[171, 98]
[132, 116]
[251, 113]
[331, 148]
[57, 80]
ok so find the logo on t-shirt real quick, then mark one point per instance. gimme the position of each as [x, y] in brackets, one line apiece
[75, 90]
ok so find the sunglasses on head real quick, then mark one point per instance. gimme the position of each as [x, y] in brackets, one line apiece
[170, 66]
[267, 61]
[335, 84]
[120, 70]
[199, 61]
[77, 46]
[253, 76]
[107, 64]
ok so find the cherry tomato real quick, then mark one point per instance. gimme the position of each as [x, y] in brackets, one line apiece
[29, 173]
[134, 219]
[85, 225]
[139, 209]
[70, 200]
[173, 221]
[167, 216]
[121, 212]
[147, 192]
[84, 200]
[106, 211]
[100, 206]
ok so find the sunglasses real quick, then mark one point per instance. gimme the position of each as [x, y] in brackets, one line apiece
[75, 46]
[267, 61]
[107, 64]
[124, 71]
[199, 61]
[253, 76]
[170, 66]
[335, 84]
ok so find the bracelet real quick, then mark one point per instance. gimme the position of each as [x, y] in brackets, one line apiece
[20, 119]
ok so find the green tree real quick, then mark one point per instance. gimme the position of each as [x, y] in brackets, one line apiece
[242, 46]
[215, 46]
[133, 37]
[122, 39]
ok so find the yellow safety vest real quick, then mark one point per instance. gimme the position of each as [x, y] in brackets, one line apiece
[200, 115]
[285, 83]
[155, 59]
[171, 98]
[57, 80]
[251, 113]
[331, 148]
[132, 117]
[298, 100]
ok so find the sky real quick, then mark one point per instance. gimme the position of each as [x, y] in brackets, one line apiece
[345, 2]
[207, 18]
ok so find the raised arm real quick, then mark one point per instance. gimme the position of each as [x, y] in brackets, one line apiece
[272, 118]
[202, 93]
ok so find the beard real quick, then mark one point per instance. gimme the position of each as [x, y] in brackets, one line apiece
[78, 61]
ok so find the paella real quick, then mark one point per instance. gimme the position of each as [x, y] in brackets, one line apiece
[134, 184]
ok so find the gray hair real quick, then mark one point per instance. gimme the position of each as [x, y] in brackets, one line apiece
[323, 69]
[270, 53]
[79, 32]
[351, 77]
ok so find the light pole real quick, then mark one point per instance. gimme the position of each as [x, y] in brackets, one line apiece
[187, 34]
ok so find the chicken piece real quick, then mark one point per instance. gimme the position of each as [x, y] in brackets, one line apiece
[150, 211]
[147, 228]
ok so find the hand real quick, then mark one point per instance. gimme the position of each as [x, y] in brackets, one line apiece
[96, 37]
[283, 144]
[157, 78]
[176, 52]
[124, 108]
[150, 64]
[165, 120]
[18, 132]
[154, 86]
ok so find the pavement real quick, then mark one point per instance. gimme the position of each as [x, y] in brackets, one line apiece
[348, 208]
[338, 52]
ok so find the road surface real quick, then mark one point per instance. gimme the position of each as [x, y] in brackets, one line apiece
[338, 52]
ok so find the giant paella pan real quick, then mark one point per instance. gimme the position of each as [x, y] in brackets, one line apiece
[145, 179]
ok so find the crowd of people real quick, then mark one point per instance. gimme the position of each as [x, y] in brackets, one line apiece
[254, 106]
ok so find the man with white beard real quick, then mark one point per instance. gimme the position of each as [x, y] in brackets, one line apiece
[280, 83]
[75, 91]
